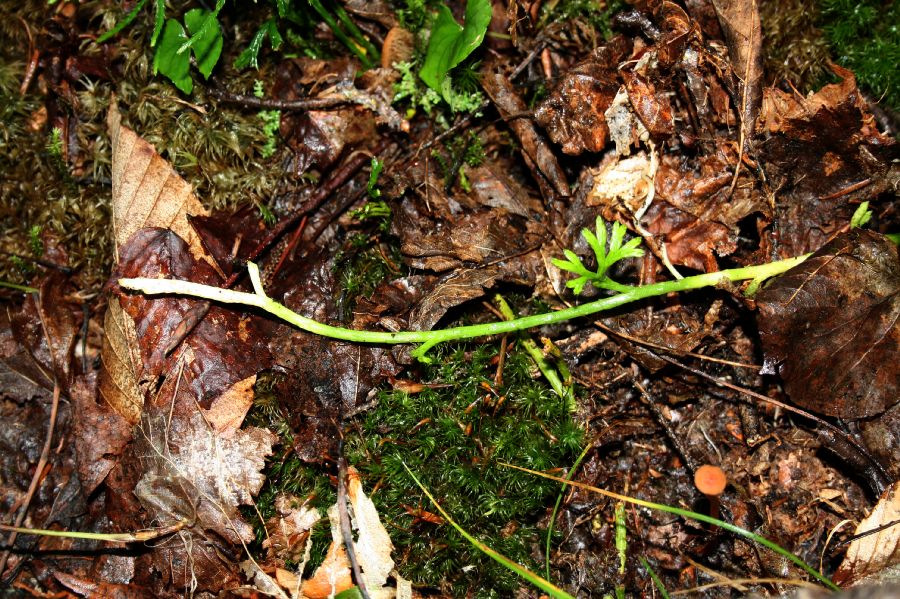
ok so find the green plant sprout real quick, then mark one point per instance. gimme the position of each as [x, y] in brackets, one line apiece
[451, 43]
[861, 216]
[560, 378]
[428, 339]
[605, 259]
[372, 185]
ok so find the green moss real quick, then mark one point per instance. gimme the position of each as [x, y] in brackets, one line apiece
[865, 37]
[365, 261]
[453, 438]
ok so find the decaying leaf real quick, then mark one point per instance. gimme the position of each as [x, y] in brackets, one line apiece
[824, 155]
[535, 146]
[874, 558]
[121, 364]
[573, 113]
[740, 23]
[830, 327]
[147, 192]
[193, 473]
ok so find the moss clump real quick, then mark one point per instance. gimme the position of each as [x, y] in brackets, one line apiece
[865, 38]
[453, 437]
[795, 48]
[364, 262]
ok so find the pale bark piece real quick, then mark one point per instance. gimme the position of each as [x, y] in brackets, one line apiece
[874, 557]
[146, 190]
[118, 383]
[373, 547]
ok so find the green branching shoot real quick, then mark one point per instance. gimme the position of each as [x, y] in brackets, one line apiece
[605, 258]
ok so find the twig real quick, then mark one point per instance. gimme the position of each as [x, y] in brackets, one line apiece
[346, 529]
[271, 104]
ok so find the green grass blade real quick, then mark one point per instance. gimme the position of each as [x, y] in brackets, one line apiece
[692, 516]
[522, 571]
[656, 581]
[559, 498]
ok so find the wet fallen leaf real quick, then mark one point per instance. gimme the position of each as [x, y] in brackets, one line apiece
[874, 558]
[824, 156]
[101, 434]
[511, 107]
[830, 327]
[573, 113]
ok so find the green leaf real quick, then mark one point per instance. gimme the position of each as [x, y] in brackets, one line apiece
[208, 45]
[861, 216]
[159, 19]
[168, 61]
[123, 23]
[250, 56]
[450, 43]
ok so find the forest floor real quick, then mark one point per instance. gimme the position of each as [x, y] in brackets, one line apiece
[409, 166]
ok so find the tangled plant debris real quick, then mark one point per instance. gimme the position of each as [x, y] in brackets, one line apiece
[480, 180]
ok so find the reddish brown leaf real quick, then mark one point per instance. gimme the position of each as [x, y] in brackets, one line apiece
[100, 434]
[573, 113]
[652, 107]
[830, 327]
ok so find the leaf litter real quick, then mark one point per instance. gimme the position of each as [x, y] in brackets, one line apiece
[668, 128]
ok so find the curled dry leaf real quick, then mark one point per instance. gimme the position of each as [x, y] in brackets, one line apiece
[830, 327]
[874, 557]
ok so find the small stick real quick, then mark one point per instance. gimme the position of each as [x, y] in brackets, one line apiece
[300, 105]
[346, 530]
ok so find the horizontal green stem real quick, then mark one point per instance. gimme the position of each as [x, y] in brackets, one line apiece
[431, 338]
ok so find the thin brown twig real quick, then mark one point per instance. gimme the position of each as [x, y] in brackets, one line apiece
[346, 530]
[673, 350]
[270, 104]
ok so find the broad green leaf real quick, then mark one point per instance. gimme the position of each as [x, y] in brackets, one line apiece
[208, 46]
[168, 61]
[450, 43]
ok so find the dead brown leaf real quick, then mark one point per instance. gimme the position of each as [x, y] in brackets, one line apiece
[740, 23]
[831, 327]
[147, 192]
[573, 113]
